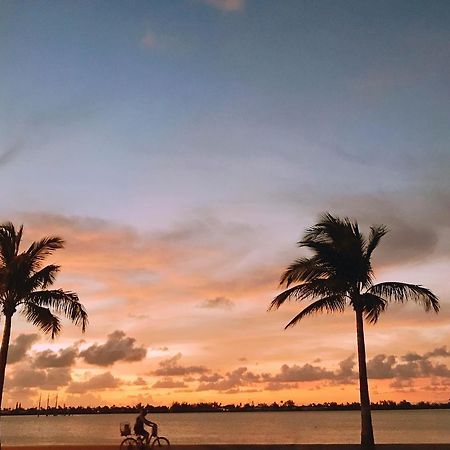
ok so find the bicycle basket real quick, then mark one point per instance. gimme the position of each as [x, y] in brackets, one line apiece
[125, 429]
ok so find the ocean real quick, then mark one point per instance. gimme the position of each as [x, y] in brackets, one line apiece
[289, 427]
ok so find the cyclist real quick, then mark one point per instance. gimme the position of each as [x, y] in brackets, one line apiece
[139, 425]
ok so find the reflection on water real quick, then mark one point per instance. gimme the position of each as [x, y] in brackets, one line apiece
[293, 427]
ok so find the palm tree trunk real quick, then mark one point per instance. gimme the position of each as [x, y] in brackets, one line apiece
[4, 354]
[3, 358]
[367, 439]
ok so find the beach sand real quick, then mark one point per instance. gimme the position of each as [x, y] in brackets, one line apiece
[245, 447]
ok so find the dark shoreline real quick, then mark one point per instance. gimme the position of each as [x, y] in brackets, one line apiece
[204, 407]
[93, 411]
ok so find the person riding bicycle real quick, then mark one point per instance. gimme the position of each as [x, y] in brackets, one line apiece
[139, 426]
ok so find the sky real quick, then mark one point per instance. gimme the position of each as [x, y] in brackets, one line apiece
[181, 149]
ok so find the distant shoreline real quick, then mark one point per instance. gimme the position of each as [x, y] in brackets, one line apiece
[106, 413]
[206, 408]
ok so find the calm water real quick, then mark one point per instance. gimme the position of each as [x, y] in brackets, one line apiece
[217, 428]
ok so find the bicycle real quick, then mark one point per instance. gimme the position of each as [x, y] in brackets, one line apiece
[138, 442]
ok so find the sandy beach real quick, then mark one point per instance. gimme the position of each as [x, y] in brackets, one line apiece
[246, 447]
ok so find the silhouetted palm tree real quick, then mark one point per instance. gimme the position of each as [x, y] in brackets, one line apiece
[23, 288]
[339, 274]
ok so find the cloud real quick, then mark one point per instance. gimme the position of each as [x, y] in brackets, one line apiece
[172, 261]
[213, 378]
[217, 303]
[346, 374]
[402, 385]
[169, 383]
[149, 40]
[96, 383]
[412, 217]
[10, 153]
[417, 220]
[26, 396]
[279, 386]
[226, 5]
[57, 376]
[231, 380]
[20, 346]
[296, 373]
[31, 377]
[139, 381]
[381, 366]
[171, 367]
[422, 368]
[117, 347]
[207, 232]
[138, 316]
[64, 358]
[411, 357]
[438, 352]
[414, 365]
[395, 248]
[438, 385]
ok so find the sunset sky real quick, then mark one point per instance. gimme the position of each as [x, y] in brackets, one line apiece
[181, 148]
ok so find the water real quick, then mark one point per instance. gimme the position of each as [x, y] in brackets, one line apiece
[299, 427]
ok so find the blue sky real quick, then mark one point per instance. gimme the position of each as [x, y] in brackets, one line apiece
[225, 127]
[114, 102]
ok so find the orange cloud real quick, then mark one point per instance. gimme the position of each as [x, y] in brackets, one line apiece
[226, 5]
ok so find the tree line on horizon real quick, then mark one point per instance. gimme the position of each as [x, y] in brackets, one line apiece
[204, 407]
[337, 275]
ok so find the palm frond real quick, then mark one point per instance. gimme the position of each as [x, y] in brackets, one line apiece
[15, 275]
[39, 250]
[43, 278]
[62, 302]
[375, 235]
[23, 283]
[340, 267]
[321, 287]
[329, 304]
[9, 241]
[372, 306]
[340, 248]
[328, 227]
[295, 292]
[333, 229]
[303, 270]
[42, 318]
[403, 292]
[326, 251]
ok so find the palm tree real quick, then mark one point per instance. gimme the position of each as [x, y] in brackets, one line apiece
[23, 288]
[339, 274]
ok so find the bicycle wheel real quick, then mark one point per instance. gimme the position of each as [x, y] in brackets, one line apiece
[161, 442]
[129, 444]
